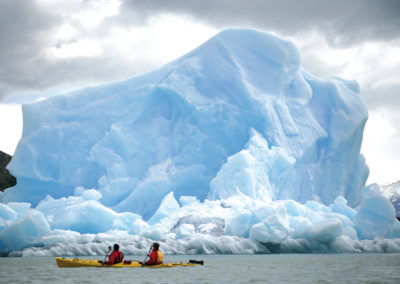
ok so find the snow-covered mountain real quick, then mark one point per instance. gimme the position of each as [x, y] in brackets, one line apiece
[392, 192]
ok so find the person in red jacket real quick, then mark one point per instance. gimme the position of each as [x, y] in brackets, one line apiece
[116, 256]
[156, 256]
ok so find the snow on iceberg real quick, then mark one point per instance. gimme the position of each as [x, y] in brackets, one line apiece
[233, 141]
[25, 231]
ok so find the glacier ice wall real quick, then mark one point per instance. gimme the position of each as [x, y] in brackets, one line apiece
[237, 119]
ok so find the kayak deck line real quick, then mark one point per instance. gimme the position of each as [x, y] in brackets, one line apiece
[77, 262]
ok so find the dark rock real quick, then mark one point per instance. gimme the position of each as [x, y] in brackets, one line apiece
[6, 179]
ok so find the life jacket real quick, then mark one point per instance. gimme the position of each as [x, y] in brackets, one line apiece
[159, 257]
[119, 256]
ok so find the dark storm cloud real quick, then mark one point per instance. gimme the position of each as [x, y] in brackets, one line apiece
[343, 22]
[27, 29]
[22, 34]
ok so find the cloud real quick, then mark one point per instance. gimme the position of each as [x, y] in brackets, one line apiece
[380, 146]
[10, 127]
[24, 26]
[76, 43]
[342, 22]
[374, 65]
[48, 43]
[51, 43]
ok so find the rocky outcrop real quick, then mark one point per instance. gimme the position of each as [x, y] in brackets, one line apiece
[6, 179]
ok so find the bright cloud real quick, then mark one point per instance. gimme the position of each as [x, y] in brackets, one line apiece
[10, 127]
[83, 48]
[381, 147]
[87, 14]
[163, 38]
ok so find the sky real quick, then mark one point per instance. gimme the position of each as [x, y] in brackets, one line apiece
[49, 47]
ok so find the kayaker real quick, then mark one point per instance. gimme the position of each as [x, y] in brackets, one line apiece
[156, 256]
[116, 256]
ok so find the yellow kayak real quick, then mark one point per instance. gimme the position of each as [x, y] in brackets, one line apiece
[77, 262]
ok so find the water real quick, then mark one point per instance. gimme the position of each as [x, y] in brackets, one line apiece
[278, 268]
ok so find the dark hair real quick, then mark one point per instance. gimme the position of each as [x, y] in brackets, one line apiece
[116, 247]
[156, 246]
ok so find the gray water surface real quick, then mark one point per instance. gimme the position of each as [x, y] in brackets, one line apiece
[275, 268]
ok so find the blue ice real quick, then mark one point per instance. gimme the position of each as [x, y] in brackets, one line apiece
[234, 141]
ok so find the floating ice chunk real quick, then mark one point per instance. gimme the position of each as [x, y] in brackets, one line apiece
[207, 228]
[22, 208]
[273, 229]
[187, 200]
[203, 224]
[266, 233]
[396, 229]
[184, 230]
[91, 194]
[316, 211]
[50, 206]
[127, 222]
[239, 225]
[326, 230]
[350, 233]
[7, 213]
[167, 206]
[25, 231]
[87, 194]
[316, 206]
[138, 227]
[344, 244]
[86, 217]
[252, 172]
[299, 227]
[84, 214]
[60, 237]
[376, 215]
[79, 190]
[154, 233]
[294, 208]
[340, 206]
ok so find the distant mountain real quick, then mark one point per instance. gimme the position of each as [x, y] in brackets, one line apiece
[392, 192]
[6, 179]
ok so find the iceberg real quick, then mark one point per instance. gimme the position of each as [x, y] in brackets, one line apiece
[231, 148]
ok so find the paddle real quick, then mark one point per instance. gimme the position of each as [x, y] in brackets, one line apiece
[107, 254]
[201, 262]
[144, 262]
